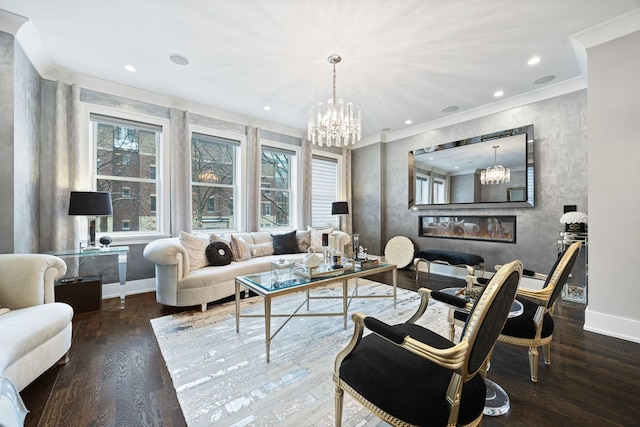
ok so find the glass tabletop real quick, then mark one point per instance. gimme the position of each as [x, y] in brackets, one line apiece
[300, 276]
[91, 252]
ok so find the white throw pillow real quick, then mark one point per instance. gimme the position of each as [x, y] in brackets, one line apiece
[316, 235]
[261, 249]
[240, 249]
[196, 247]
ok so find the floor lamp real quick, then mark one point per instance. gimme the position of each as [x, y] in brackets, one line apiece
[91, 204]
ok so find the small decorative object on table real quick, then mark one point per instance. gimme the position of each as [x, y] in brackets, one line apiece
[105, 241]
[574, 222]
[281, 270]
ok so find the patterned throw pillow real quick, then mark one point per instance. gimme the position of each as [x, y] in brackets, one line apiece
[261, 249]
[285, 243]
[304, 240]
[196, 248]
[316, 236]
[219, 253]
[240, 249]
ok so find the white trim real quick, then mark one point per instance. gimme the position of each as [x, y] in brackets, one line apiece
[295, 183]
[88, 166]
[112, 290]
[612, 326]
[240, 198]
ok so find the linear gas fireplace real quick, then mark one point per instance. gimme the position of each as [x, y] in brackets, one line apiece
[489, 228]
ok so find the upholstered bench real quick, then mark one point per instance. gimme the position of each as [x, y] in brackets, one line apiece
[471, 261]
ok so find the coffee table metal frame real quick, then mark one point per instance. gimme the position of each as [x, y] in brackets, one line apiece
[262, 285]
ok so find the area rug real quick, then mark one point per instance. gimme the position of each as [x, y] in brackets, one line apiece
[221, 377]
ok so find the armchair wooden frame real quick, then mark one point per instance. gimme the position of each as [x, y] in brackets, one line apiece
[544, 300]
[465, 360]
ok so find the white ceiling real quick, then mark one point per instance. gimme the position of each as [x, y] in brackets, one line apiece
[402, 59]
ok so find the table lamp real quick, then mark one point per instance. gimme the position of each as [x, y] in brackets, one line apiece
[340, 208]
[91, 204]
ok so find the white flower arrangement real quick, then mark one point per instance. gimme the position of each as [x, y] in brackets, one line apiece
[573, 218]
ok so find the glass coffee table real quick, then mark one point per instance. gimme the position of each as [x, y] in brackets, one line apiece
[263, 285]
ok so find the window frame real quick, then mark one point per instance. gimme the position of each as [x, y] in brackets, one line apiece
[239, 198]
[89, 174]
[295, 208]
[341, 184]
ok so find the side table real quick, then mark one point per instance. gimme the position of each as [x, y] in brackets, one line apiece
[120, 251]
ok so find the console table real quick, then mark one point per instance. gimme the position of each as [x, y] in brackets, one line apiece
[576, 289]
[120, 251]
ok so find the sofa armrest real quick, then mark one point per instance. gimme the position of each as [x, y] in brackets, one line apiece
[168, 251]
[27, 279]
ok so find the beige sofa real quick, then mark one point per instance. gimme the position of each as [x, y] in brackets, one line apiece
[35, 331]
[180, 285]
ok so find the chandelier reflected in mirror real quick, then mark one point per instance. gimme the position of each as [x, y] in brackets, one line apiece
[339, 125]
[496, 174]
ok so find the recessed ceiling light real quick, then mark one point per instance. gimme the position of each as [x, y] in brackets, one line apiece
[178, 59]
[407, 122]
[543, 80]
[267, 108]
[533, 60]
[498, 93]
[131, 68]
[450, 109]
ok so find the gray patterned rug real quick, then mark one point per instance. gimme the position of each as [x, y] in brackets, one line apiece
[222, 378]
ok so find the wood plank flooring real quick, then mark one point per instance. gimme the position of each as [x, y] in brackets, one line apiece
[116, 375]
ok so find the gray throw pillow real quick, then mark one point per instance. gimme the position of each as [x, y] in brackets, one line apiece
[285, 243]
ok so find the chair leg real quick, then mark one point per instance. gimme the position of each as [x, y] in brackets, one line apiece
[338, 401]
[533, 363]
[546, 353]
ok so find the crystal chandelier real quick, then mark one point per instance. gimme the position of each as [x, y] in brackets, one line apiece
[496, 174]
[337, 125]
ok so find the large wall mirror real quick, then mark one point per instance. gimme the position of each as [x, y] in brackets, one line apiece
[453, 175]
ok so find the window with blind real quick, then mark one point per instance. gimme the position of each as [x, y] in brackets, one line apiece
[126, 153]
[214, 186]
[324, 191]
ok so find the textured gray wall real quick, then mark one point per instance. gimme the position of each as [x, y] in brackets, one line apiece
[20, 145]
[6, 142]
[561, 179]
[26, 154]
[367, 171]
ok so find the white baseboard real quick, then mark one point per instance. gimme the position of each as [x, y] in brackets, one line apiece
[612, 326]
[112, 290]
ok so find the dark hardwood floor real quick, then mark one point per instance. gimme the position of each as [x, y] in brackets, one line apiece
[116, 375]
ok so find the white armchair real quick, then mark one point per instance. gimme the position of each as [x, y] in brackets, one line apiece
[35, 332]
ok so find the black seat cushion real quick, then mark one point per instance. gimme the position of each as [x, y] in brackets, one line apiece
[453, 258]
[521, 326]
[408, 386]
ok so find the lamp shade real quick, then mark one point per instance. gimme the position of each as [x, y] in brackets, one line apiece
[340, 208]
[90, 203]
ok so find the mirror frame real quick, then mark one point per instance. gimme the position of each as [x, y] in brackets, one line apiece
[530, 185]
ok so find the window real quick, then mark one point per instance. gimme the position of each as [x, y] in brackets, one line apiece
[214, 183]
[422, 190]
[124, 150]
[324, 191]
[439, 191]
[277, 185]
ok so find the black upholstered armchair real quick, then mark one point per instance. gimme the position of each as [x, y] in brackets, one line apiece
[534, 327]
[409, 375]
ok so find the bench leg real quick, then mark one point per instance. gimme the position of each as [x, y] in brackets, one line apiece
[416, 266]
